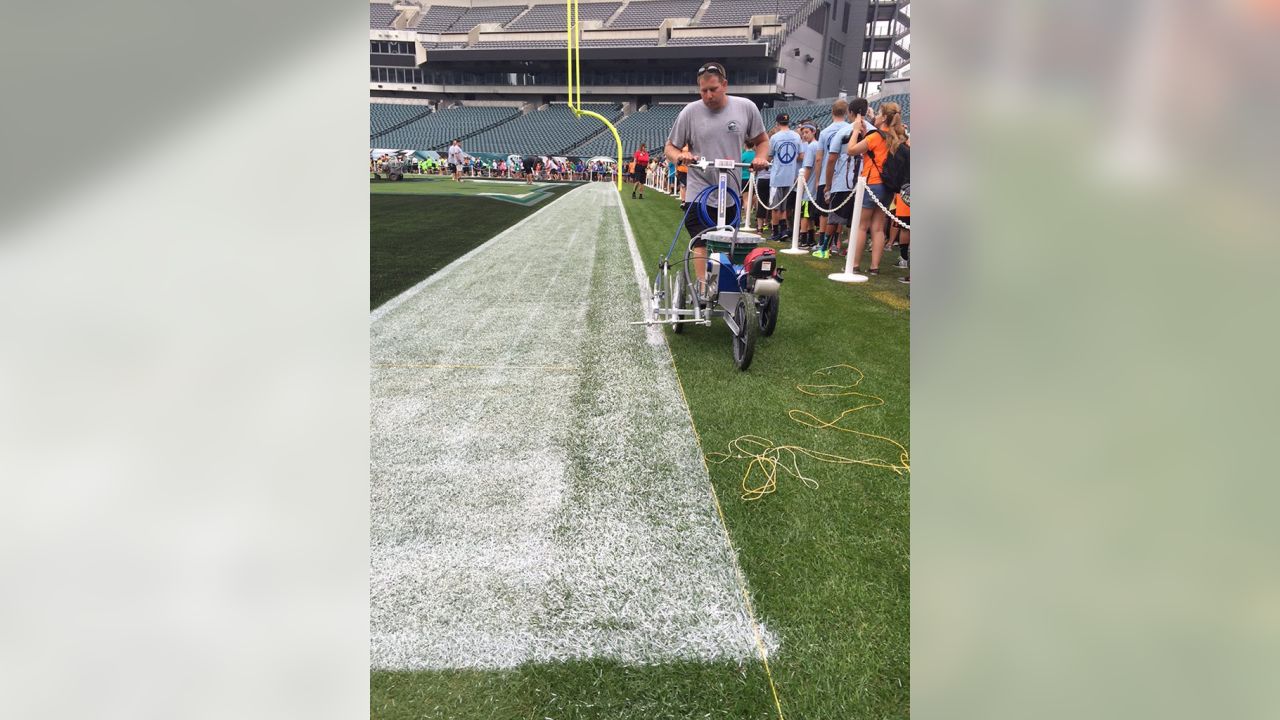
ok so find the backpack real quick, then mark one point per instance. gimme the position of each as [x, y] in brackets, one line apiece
[896, 173]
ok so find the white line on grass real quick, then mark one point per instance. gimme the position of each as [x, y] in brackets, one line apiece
[524, 516]
[652, 332]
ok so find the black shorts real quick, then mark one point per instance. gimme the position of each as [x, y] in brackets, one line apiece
[843, 215]
[821, 196]
[762, 187]
[453, 168]
[693, 223]
[639, 175]
[682, 179]
[527, 165]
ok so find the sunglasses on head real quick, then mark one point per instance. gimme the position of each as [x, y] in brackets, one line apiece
[711, 68]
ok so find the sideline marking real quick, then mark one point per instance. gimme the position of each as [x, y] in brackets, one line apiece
[724, 525]
[506, 526]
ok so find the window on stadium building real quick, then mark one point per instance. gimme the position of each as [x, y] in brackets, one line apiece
[817, 22]
[835, 51]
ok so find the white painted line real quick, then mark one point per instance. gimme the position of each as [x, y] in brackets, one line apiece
[653, 333]
[530, 518]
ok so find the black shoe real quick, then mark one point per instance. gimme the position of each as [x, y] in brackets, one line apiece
[633, 196]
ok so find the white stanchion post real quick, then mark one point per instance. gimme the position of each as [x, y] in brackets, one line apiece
[795, 216]
[849, 276]
[749, 211]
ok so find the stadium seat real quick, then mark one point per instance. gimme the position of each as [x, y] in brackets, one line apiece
[551, 17]
[651, 13]
[381, 15]
[650, 127]
[440, 128]
[383, 115]
[550, 131]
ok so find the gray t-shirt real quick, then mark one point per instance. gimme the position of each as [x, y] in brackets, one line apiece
[715, 135]
[812, 151]
[455, 154]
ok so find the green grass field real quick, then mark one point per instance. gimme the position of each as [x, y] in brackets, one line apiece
[419, 226]
[828, 568]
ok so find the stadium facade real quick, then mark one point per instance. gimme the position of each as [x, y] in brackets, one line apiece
[503, 60]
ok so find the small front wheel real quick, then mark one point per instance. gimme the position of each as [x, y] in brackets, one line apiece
[744, 340]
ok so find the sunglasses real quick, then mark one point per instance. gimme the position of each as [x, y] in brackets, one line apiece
[711, 68]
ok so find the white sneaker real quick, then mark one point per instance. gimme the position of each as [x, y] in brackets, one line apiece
[903, 263]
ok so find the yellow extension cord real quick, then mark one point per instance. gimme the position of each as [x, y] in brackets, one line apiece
[766, 459]
[575, 79]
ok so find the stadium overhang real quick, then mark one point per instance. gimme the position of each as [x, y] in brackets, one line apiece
[663, 52]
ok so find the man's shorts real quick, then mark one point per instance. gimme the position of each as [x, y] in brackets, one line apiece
[693, 223]
[682, 179]
[787, 204]
[528, 166]
[639, 175]
[843, 215]
[804, 209]
[453, 168]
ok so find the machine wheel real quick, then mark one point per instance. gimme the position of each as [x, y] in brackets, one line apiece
[744, 341]
[768, 315]
[680, 299]
[661, 296]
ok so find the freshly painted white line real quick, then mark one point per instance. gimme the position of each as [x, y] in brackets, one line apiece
[522, 516]
[653, 333]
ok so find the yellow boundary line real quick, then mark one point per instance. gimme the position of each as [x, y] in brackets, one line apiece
[724, 525]
[574, 72]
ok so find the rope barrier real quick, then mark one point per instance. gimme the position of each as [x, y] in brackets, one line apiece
[896, 221]
[755, 190]
[767, 459]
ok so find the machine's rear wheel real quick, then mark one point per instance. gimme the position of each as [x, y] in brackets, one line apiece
[744, 341]
[768, 314]
[680, 299]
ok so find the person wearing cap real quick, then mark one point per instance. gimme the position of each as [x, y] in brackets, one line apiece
[809, 159]
[455, 159]
[786, 150]
[716, 127]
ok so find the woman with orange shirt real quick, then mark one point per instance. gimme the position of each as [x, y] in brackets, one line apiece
[876, 147]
